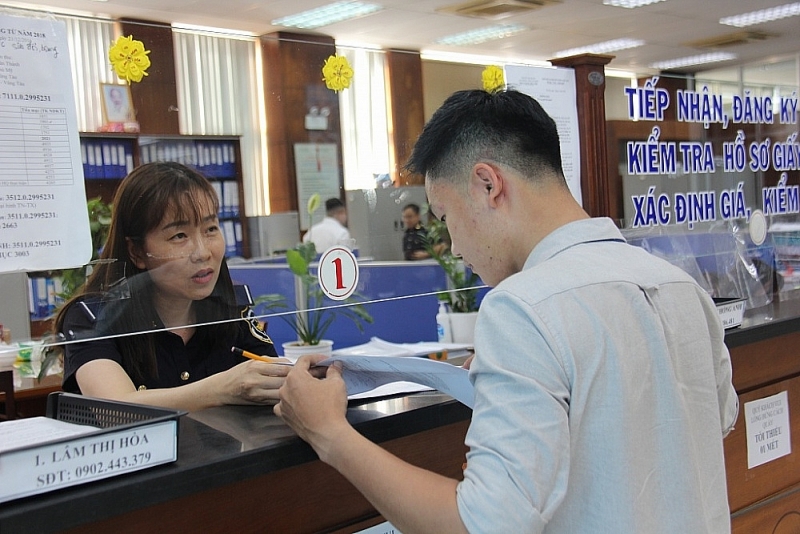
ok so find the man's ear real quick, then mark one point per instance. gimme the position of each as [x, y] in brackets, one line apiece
[488, 181]
[136, 254]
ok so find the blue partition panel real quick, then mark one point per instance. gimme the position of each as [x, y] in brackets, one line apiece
[401, 297]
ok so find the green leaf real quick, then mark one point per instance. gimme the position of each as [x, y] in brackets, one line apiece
[314, 202]
[297, 263]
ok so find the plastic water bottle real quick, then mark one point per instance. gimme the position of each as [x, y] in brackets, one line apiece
[443, 324]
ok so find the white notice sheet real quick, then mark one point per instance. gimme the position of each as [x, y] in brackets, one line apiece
[43, 219]
[554, 89]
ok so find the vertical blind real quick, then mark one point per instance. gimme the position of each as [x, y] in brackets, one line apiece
[220, 93]
[89, 41]
[365, 133]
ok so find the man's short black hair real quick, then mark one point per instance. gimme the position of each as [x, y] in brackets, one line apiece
[333, 204]
[413, 207]
[506, 127]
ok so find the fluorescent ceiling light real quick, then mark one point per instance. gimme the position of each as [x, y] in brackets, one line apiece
[602, 48]
[327, 14]
[481, 35]
[475, 59]
[194, 28]
[630, 4]
[764, 15]
[614, 73]
[693, 60]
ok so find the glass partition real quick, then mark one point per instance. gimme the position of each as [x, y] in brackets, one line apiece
[229, 150]
[709, 179]
[708, 174]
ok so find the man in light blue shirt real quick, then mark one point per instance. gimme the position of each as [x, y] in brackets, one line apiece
[602, 383]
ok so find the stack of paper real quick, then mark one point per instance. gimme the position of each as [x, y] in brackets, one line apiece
[433, 350]
[380, 368]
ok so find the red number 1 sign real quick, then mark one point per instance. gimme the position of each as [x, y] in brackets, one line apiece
[338, 272]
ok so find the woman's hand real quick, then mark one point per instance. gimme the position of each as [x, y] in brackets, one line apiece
[251, 382]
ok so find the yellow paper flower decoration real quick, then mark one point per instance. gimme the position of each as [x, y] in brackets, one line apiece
[129, 59]
[337, 73]
[493, 78]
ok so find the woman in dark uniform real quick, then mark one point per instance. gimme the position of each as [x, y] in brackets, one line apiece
[159, 312]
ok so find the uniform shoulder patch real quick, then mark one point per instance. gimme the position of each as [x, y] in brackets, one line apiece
[258, 329]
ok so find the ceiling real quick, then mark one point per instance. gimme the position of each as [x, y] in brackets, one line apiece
[667, 27]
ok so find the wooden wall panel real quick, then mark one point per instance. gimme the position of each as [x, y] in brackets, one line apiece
[311, 497]
[779, 515]
[293, 84]
[765, 362]
[155, 98]
[406, 110]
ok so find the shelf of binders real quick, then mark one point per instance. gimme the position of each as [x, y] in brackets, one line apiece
[107, 158]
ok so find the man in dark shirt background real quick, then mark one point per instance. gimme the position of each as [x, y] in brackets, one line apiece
[415, 236]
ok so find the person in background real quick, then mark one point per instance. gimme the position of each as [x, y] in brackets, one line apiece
[602, 384]
[415, 237]
[163, 286]
[332, 230]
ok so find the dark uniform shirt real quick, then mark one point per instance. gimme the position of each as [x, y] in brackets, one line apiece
[178, 364]
[414, 239]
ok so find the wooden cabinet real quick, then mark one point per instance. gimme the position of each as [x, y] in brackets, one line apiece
[765, 498]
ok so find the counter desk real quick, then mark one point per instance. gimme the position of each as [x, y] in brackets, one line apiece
[765, 356]
[241, 469]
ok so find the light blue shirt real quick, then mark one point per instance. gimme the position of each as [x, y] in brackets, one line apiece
[603, 390]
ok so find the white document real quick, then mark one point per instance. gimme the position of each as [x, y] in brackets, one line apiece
[388, 390]
[365, 373]
[43, 219]
[316, 171]
[555, 90]
[36, 430]
[378, 347]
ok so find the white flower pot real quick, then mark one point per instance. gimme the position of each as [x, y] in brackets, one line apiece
[462, 326]
[292, 350]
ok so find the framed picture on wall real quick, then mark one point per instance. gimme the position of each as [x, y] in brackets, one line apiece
[117, 105]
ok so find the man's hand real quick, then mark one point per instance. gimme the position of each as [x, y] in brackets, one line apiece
[314, 408]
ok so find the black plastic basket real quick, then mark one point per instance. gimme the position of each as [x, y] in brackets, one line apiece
[102, 413]
[97, 457]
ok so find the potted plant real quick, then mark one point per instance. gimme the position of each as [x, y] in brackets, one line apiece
[461, 296]
[313, 318]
